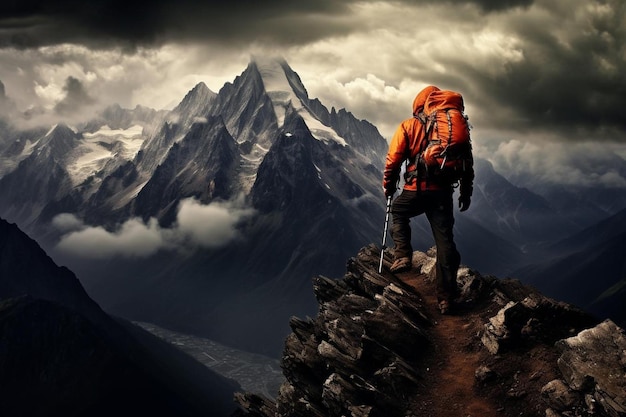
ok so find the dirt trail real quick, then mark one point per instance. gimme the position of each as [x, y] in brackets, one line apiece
[449, 370]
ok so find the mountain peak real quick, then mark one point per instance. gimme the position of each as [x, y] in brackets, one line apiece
[287, 93]
[201, 89]
[278, 76]
[195, 104]
[61, 129]
[59, 140]
[378, 345]
[277, 85]
[268, 60]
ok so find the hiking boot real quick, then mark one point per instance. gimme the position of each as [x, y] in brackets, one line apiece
[401, 265]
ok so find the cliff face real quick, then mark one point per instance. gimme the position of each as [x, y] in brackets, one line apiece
[378, 347]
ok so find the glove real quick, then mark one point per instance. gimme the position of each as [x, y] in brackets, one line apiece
[464, 202]
[389, 192]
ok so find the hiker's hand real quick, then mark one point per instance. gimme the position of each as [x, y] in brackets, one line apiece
[464, 202]
[389, 191]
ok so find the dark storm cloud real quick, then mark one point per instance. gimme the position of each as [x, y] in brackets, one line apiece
[485, 5]
[526, 66]
[76, 98]
[496, 5]
[111, 22]
[582, 83]
[104, 23]
[571, 78]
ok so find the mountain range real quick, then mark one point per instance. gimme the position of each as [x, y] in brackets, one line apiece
[211, 218]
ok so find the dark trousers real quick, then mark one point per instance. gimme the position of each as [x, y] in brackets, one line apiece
[437, 205]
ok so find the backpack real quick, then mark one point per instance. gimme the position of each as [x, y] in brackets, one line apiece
[446, 151]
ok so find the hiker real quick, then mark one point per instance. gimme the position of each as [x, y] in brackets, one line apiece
[427, 193]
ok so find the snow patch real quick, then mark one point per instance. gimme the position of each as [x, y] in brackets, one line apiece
[282, 96]
[264, 150]
[132, 132]
[199, 119]
[100, 147]
[8, 164]
[54, 126]
[91, 159]
[28, 148]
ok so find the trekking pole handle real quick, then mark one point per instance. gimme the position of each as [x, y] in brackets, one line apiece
[382, 250]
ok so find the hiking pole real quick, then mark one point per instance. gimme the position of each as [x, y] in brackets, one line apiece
[382, 250]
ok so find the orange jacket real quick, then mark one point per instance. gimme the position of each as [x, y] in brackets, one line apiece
[405, 144]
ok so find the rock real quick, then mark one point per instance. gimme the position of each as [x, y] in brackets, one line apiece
[374, 347]
[424, 263]
[496, 331]
[255, 405]
[357, 357]
[473, 286]
[484, 374]
[531, 317]
[551, 413]
[594, 363]
[559, 396]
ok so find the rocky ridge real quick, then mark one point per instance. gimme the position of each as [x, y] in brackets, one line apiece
[378, 347]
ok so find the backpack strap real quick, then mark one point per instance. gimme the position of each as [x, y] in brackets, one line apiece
[444, 153]
[413, 174]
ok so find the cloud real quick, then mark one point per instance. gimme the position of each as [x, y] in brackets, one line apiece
[209, 226]
[526, 68]
[66, 223]
[75, 99]
[568, 76]
[158, 78]
[546, 66]
[496, 5]
[206, 226]
[583, 164]
[133, 239]
[103, 23]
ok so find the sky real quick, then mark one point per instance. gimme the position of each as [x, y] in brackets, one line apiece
[544, 81]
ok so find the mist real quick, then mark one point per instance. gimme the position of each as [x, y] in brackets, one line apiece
[197, 226]
[587, 164]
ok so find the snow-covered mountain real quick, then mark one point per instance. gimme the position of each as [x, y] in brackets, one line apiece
[309, 179]
[210, 217]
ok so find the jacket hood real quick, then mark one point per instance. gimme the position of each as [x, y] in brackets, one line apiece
[420, 99]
